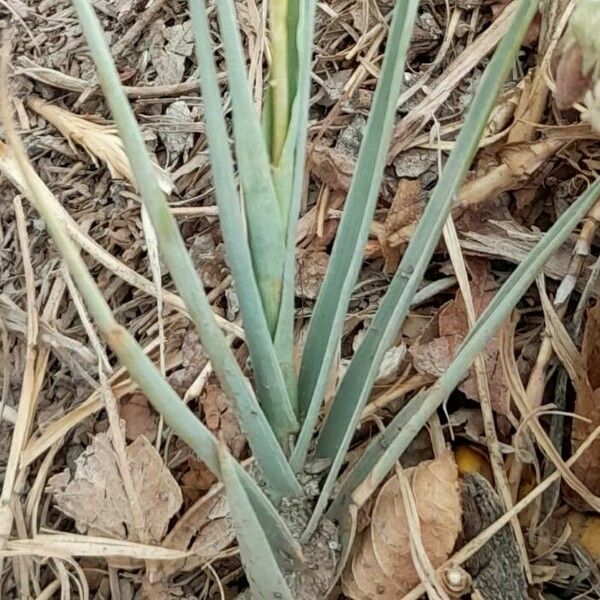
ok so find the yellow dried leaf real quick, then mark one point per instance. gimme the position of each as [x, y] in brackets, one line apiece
[381, 564]
[101, 142]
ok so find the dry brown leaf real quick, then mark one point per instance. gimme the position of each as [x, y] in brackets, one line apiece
[332, 166]
[140, 418]
[587, 405]
[94, 496]
[310, 271]
[407, 208]
[205, 528]
[100, 142]
[220, 418]
[209, 258]
[197, 480]
[381, 565]
[571, 82]
[434, 357]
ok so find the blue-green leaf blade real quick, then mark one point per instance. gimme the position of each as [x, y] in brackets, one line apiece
[289, 180]
[271, 387]
[346, 258]
[252, 420]
[336, 434]
[260, 563]
[387, 447]
[266, 230]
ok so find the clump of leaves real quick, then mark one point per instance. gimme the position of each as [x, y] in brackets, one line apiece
[278, 414]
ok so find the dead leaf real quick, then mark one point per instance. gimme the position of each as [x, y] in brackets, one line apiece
[94, 496]
[100, 142]
[434, 357]
[169, 67]
[332, 166]
[407, 208]
[571, 82]
[587, 405]
[197, 480]
[209, 258]
[140, 418]
[381, 565]
[220, 418]
[180, 38]
[310, 271]
[205, 528]
[174, 135]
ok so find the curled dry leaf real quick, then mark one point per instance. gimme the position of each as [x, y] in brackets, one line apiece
[205, 528]
[196, 480]
[434, 357]
[101, 142]
[95, 496]
[381, 565]
[578, 68]
[571, 82]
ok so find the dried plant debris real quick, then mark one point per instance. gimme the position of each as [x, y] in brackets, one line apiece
[101, 142]
[539, 152]
[220, 418]
[496, 568]
[578, 69]
[311, 267]
[205, 529]
[433, 357]
[96, 498]
[587, 405]
[381, 565]
[139, 417]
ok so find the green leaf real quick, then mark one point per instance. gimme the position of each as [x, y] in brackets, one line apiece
[266, 231]
[260, 564]
[255, 426]
[293, 18]
[279, 76]
[289, 181]
[353, 393]
[387, 447]
[328, 317]
[271, 387]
